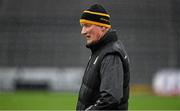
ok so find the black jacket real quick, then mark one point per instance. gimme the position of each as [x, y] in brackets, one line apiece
[105, 85]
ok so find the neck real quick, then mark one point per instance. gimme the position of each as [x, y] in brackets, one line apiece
[108, 37]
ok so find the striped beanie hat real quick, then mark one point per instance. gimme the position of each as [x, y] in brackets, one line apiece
[96, 15]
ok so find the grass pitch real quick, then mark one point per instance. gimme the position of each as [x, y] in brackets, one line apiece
[39, 100]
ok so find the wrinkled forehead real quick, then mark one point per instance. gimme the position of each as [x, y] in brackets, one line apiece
[88, 25]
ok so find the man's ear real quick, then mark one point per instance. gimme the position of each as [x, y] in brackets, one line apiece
[104, 29]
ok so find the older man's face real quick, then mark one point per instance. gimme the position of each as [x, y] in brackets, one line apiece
[92, 33]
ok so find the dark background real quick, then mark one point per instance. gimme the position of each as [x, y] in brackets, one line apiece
[46, 33]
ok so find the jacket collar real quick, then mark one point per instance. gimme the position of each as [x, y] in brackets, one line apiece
[109, 37]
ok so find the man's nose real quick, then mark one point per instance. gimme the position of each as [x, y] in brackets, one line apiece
[83, 31]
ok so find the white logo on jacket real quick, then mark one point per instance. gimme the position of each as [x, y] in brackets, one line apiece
[96, 60]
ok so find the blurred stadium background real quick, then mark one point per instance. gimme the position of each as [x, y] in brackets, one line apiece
[43, 55]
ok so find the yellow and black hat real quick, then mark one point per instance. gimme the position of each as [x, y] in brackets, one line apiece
[96, 15]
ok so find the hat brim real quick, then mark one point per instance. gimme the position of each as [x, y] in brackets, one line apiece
[94, 23]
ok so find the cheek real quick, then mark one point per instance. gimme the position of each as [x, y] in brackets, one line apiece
[95, 34]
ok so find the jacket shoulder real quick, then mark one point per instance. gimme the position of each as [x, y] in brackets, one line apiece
[119, 47]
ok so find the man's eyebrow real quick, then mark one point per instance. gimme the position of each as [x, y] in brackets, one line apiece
[85, 25]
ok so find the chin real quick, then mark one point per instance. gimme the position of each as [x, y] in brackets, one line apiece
[88, 43]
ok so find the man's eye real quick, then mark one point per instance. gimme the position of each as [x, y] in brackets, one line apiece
[82, 25]
[87, 25]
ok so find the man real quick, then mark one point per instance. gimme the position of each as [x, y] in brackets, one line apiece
[105, 85]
